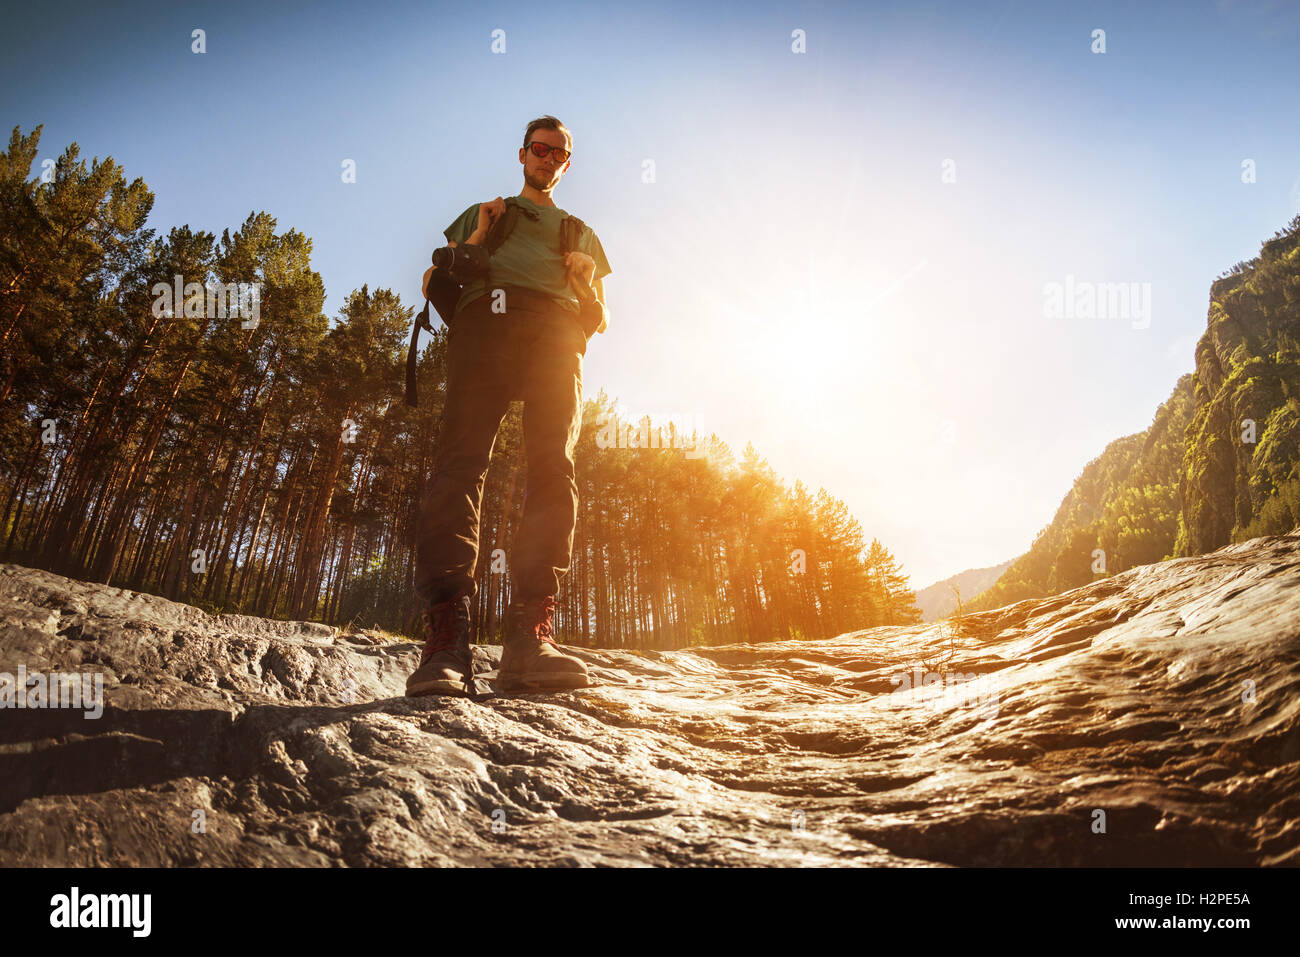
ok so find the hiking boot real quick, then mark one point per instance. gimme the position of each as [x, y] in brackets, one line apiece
[446, 665]
[530, 658]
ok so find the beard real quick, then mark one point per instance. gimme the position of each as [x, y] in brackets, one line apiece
[542, 180]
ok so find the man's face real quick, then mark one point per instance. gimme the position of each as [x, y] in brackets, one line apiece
[543, 172]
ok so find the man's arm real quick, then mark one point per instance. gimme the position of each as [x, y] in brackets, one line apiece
[596, 292]
[476, 238]
[600, 294]
[581, 269]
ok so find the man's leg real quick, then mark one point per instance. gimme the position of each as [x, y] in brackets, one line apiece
[552, 394]
[478, 397]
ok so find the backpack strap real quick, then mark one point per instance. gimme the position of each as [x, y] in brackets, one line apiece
[443, 293]
[571, 230]
[501, 229]
[421, 322]
[504, 226]
[592, 314]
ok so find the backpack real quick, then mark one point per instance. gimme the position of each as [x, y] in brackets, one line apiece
[443, 292]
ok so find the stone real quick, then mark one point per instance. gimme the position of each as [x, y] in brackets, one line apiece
[1149, 718]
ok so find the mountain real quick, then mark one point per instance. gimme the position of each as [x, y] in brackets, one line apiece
[1220, 462]
[1240, 474]
[937, 600]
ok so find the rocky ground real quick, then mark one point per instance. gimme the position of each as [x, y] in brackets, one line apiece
[1149, 718]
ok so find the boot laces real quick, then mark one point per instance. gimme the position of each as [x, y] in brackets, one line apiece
[441, 635]
[542, 627]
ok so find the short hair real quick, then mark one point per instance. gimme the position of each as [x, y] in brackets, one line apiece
[548, 123]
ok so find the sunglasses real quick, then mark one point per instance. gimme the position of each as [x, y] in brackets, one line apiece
[541, 149]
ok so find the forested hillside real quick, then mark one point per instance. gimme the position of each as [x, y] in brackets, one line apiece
[942, 598]
[270, 467]
[1241, 464]
[1220, 462]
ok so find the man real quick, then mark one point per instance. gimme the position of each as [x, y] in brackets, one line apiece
[517, 335]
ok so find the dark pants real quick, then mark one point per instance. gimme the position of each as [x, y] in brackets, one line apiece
[533, 351]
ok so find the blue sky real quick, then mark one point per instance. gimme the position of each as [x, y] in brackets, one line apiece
[798, 273]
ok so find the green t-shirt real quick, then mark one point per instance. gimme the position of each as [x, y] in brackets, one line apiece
[531, 255]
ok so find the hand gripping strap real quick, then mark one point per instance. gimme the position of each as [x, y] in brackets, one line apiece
[591, 315]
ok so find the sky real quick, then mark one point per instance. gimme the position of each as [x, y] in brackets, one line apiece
[836, 229]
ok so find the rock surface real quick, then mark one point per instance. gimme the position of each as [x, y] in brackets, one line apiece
[1148, 718]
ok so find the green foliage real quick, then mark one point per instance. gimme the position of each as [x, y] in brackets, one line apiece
[1279, 514]
[1247, 375]
[761, 561]
[370, 595]
[278, 450]
[1124, 503]
[1194, 481]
